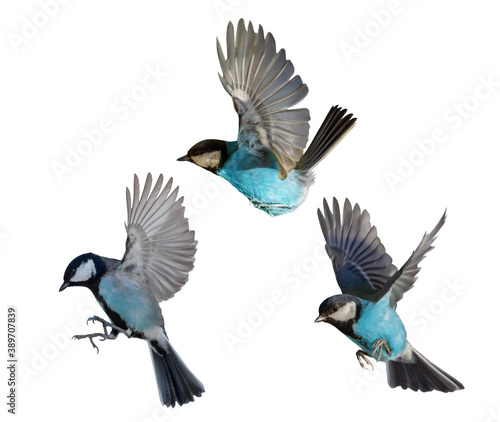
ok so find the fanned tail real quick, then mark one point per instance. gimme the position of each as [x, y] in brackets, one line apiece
[418, 373]
[176, 383]
[332, 131]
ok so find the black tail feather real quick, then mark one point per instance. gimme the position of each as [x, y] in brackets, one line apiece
[419, 374]
[176, 383]
[334, 128]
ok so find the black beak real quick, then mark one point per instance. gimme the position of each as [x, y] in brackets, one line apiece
[64, 285]
[184, 158]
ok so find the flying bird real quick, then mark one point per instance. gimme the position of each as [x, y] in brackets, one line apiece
[266, 163]
[371, 287]
[159, 255]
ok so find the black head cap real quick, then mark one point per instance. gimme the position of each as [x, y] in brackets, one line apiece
[341, 311]
[210, 154]
[84, 270]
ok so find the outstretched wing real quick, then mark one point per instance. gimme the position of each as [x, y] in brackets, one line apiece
[404, 279]
[361, 265]
[260, 82]
[160, 247]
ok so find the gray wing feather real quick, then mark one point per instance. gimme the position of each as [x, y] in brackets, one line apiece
[405, 278]
[260, 82]
[361, 265]
[160, 247]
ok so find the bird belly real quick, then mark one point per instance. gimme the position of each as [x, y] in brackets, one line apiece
[379, 321]
[266, 191]
[138, 310]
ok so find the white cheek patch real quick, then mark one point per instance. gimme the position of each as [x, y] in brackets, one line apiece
[208, 160]
[84, 272]
[345, 313]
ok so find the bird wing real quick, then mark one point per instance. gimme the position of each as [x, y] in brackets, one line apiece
[260, 82]
[404, 279]
[160, 247]
[362, 267]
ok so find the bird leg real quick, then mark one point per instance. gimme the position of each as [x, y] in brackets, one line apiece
[115, 330]
[363, 356]
[91, 336]
[379, 344]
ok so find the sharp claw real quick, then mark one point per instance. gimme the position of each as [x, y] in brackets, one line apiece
[91, 338]
[93, 344]
[380, 344]
[362, 355]
[103, 336]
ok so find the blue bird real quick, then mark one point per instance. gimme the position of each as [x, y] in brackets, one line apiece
[159, 255]
[266, 163]
[371, 287]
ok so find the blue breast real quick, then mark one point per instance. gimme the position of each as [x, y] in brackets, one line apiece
[256, 177]
[380, 320]
[136, 306]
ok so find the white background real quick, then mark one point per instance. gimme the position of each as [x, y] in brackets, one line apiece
[405, 79]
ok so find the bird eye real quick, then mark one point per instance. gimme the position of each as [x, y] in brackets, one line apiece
[335, 309]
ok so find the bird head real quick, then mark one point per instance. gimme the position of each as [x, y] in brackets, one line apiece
[210, 154]
[83, 271]
[340, 311]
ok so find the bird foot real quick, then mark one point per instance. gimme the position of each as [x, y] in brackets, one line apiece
[92, 336]
[379, 344]
[106, 324]
[362, 356]
[115, 330]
